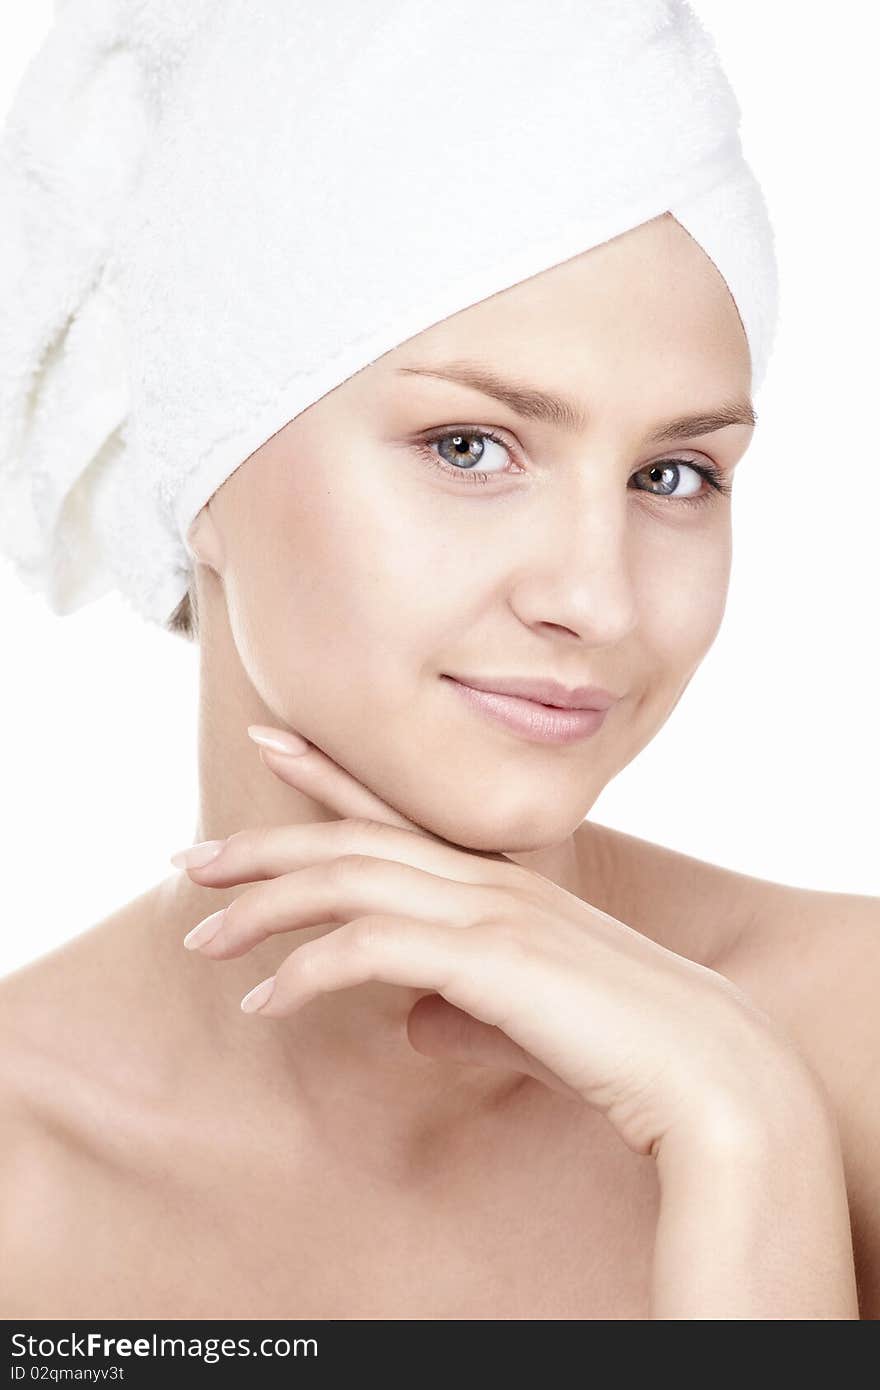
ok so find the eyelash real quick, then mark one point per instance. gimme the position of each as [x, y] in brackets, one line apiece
[713, 476]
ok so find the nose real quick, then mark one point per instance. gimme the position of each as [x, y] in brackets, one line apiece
[575, 573]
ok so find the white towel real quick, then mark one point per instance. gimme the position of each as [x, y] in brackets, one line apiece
[212, 212]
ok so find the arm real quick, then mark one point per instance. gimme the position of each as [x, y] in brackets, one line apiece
[754, 1220]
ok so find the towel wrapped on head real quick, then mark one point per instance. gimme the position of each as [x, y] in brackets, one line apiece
[213, 213]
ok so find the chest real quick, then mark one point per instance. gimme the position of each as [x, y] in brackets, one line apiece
[549, 1239]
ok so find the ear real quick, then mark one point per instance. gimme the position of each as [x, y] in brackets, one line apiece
[203, 539]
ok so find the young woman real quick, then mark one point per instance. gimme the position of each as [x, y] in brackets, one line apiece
[407, 1036]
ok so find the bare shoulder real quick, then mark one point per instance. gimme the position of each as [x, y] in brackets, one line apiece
[50, 1044]
[815, 956]
[29, 1171]
[55, 1103]
[72, 1037]
[690, 905]
[811, 960]
[51, 1193]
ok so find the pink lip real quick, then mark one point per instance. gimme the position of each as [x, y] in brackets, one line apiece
[543, 691]
[536, 721]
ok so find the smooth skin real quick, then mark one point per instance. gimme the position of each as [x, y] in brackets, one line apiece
[465, 965]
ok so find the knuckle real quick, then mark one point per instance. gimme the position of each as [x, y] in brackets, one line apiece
[254, 843]
[354, 831]
[265, 843]
[507, 904]
[362, 825]
[239, 839]
[367, 932]
[507, 939]
[235, 917]
[302, 964]
[349, 867]
[350, 830]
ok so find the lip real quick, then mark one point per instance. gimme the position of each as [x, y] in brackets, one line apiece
[542, 692]
[533, 719]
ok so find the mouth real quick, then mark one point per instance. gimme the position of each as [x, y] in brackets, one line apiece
[531, 719]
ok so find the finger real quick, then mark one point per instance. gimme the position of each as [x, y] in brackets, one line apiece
[397, 950]
[482, 986]
[322, 779]
[352, 886]
[476, 972]
[314, 773]
[271, 850]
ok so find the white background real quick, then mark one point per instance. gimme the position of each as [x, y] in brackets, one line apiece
[769, 764]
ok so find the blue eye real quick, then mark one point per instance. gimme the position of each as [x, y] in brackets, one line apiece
[465, 454]
[707, 471]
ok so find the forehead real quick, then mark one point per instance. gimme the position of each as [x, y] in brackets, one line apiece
[648, 301]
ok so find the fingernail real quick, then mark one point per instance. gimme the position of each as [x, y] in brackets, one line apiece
[278, 742]
[259, 995]
[205, 931]
[197, 856]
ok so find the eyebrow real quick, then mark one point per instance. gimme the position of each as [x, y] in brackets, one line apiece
[533, 404]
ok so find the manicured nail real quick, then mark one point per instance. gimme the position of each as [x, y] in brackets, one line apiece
[197, 856]
[206, 930]
[259, 995]
[278, 742]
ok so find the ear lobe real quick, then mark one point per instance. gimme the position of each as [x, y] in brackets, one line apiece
[203, 539]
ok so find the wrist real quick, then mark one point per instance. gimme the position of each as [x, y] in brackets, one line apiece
[754, 1218]
[777, 1105]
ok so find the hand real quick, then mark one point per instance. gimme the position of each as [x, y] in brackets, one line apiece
[523, 975]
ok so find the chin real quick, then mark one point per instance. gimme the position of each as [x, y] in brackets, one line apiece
[500, 834]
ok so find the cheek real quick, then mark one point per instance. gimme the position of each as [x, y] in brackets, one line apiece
[682, 585]
[339, 588]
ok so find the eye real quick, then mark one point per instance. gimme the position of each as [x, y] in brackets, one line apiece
[462, 449]
[665, 475]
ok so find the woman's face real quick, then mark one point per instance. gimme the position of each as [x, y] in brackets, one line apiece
[358, 572]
